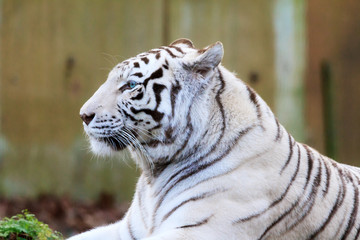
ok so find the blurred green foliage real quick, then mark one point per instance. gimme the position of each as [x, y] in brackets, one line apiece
[26, 226]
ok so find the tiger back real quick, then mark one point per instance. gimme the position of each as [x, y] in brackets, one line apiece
[216, 163]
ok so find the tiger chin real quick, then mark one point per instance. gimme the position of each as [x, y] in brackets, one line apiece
[216, 163]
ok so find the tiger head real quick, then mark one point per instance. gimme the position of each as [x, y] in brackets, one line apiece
[146, 101]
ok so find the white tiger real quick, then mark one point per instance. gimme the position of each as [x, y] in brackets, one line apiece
[216, 164]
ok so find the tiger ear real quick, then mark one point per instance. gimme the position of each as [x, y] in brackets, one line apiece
[183, 41]
[209, 58]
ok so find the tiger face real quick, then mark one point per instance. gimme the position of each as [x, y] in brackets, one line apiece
[142, 102]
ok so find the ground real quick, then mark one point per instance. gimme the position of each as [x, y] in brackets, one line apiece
[65, 215]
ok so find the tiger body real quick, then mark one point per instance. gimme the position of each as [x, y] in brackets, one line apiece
[216, 163]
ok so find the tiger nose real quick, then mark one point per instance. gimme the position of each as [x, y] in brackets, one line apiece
[87, 118]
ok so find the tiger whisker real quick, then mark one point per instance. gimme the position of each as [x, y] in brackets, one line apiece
[110, 58]
[134, 142]
[147, 134]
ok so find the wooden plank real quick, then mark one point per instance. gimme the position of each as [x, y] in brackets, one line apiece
[328, 97]
[334, 40]
[3, 146]
[54, 55]
[289, 27]
[244, 27]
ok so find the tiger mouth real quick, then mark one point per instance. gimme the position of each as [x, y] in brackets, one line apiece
[115, 143]
[120, 140]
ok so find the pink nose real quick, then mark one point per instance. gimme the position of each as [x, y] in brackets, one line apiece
[87, 118]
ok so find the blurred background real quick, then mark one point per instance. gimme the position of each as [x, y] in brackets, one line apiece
[302, 57]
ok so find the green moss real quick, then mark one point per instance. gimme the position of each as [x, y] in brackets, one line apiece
[26, 226]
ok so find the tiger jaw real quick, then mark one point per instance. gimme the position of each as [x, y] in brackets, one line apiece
[113, 142]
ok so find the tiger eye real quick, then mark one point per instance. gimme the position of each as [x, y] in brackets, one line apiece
[132, 84]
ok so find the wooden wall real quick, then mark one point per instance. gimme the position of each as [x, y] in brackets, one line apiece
[333, 78]
[55, 54]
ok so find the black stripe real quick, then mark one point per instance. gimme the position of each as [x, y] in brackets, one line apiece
[128, 115]
[177, 49]
[198, 224]
[278, 134]
[357, 233]
[175, 89]
[338, 202]
[291, 180]
[153, 51]
[153, 143]
[353, 215]
[138, 74]
[310, 199]
[358, 227]
[218, 99]
[169, 139]
[193, 199]
[159, 166]
[157, 116]
[138, 97]
[254, 100]
[169, 133]
[310, 164]
[155, 127]
[145, 60]
[171, 54]
[157, 74]
[328, 177]
[158, 88]
[124, 87]
[167, 50]
[184, 41]
[252, 96]
[291, 146]
[189, 132]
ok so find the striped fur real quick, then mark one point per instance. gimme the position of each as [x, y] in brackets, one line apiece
[216, 163]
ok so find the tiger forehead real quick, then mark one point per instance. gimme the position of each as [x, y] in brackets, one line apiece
[167, 52]
[145, 60]
[121, 70]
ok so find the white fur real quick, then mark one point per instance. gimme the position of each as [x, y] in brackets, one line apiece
[241, 182]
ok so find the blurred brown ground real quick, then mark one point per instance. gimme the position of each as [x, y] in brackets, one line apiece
[64, 215]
